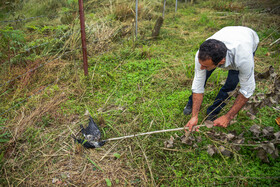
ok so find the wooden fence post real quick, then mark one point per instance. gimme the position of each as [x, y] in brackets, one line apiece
[164, 3]
[136, 18]
[83, 36]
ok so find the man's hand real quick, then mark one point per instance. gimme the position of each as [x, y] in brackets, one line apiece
[197, 100]
[193, 122]
[222, 121]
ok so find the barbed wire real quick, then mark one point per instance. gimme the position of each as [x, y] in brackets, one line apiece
[34, 47]
[34, 17]
[42, 88]
[33, 69]
[70, 33]
[26, 50]
[20, 20]
[41, 65]
[31, 96]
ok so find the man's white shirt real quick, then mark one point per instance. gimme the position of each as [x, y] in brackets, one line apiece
[241, 43]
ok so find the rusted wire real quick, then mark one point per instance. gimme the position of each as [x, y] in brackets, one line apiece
[31, 96]
[35, 47]
[33, 69]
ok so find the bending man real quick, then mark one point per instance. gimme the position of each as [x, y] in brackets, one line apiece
[232, 48]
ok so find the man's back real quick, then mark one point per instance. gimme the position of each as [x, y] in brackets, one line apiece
[234, 36]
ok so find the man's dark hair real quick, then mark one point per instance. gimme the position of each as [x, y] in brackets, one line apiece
[212, 49]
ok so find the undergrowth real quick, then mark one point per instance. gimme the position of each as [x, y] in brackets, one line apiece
[133, 86]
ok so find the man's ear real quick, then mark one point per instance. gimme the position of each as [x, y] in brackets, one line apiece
[223, 61]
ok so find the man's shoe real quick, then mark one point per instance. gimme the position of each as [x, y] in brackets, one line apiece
[188, 110]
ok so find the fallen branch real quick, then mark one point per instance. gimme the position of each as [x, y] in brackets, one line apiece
[275, 42]
[152, 132]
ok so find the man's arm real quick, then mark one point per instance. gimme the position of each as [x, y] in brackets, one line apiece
[224, 120]
[197, 101]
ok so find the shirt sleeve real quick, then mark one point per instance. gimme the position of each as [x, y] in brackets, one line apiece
[199, 77]
[246, 73]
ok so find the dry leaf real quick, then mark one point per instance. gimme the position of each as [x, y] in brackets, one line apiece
[230, 136]
[211, 150]
[209, 124]
[278, 121]
[192, 138]
[269, 148]
[187, 134]
[239, 141]
[266, 74]
[268, 131]
[58, 182]
[272, 100]
[224, 151]
[55, 180]
[176, 135]
[241, 135]
[86, 113]
[199, 139]
[236, 148]
[260, 100]
[255, 129]
[262, 155]
[186, 140]
[169, 143]
[232, 122]
[223, 136]
[275, 154]
[252, 116]
[277, 135]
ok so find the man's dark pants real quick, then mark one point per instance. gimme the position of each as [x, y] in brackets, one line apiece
[230, 85]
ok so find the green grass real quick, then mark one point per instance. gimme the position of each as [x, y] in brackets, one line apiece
[133, 87]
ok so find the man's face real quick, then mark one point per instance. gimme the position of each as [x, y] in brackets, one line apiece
[207, 64]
